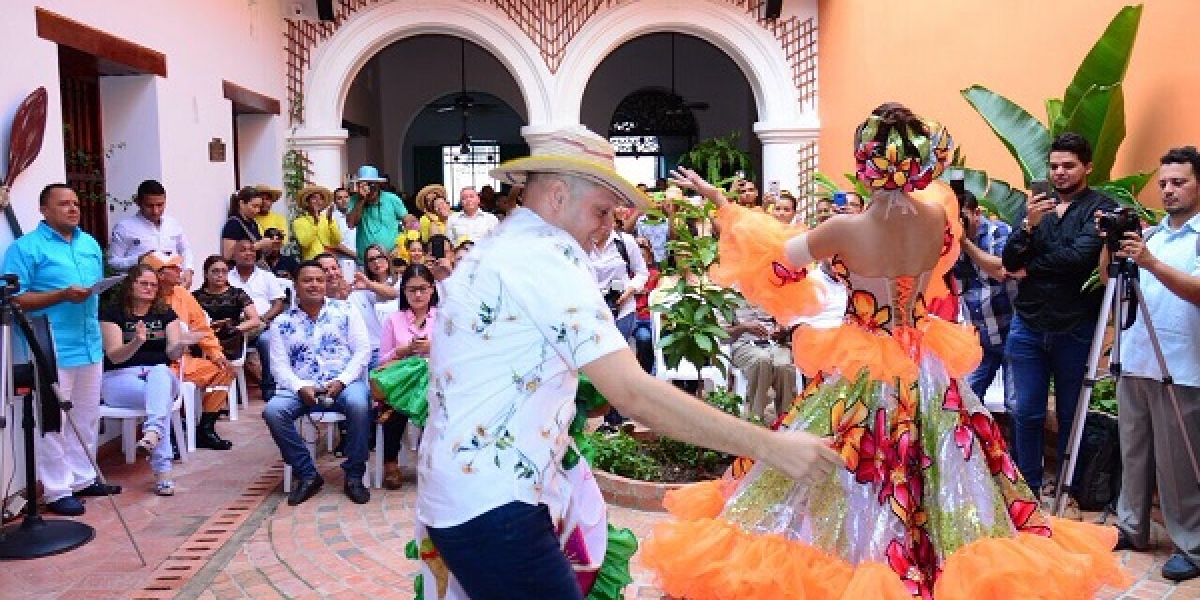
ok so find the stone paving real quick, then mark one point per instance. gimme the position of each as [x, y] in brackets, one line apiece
[327, 547]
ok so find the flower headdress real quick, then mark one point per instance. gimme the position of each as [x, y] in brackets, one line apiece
[900, 156]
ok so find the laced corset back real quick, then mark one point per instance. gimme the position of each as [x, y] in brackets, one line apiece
[882, 304]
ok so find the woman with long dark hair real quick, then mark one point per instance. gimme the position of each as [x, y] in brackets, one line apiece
[244, 206]
[142, 335]
[230, 308]
[402, 378]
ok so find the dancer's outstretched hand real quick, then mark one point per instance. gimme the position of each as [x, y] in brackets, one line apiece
[803, 456]
[687, 178]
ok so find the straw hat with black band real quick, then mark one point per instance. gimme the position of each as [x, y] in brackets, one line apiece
[424, 205]
[573, 151]
[304, 193]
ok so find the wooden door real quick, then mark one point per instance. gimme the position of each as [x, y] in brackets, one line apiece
[83, 141]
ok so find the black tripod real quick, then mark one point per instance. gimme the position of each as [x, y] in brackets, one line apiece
[36, 536]
[1122, 296]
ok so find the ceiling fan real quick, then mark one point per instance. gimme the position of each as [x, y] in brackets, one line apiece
[680, 105]
[462, 102]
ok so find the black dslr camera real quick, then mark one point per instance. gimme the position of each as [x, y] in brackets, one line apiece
[1115, 223]
[613, 294]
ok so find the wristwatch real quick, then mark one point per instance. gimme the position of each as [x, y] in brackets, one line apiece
[1026, 226]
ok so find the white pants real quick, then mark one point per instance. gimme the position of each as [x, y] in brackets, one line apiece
[63, 464]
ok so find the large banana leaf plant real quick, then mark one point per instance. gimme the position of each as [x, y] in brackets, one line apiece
[1093, 106]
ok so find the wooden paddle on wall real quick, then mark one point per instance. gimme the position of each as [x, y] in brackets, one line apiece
[24, 144]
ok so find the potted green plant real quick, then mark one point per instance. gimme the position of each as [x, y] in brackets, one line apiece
[719, 159]
[1093, 105]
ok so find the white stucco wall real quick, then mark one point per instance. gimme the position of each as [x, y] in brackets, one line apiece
[165, 123]
[205, 43]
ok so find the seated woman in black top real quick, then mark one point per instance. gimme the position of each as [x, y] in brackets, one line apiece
[243, 207]
[230, 308]
[142, 335]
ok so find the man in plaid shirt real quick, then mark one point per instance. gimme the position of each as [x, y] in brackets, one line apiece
[987, 288]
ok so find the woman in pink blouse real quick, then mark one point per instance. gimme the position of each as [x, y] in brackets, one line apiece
[400, 382]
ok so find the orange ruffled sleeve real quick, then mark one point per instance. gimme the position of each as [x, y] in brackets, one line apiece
[752, 259]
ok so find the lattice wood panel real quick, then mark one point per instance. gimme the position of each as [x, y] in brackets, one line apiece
[551, 25]
[806, 165]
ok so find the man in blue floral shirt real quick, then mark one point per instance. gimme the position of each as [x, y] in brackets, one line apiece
[319, 352]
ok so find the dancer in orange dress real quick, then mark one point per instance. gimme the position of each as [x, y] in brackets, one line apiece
[930, 505]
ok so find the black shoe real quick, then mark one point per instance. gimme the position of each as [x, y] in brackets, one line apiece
[67, 506]
[1179, 568]
[1124, 542]
[97, 490]
[357, 492]
[206, 434]
[305, 489]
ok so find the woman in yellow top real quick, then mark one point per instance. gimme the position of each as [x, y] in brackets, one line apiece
[265, 218]
[315, 229]
[432, 201]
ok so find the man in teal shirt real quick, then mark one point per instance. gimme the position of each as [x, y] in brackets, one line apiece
[374, 213]
[56, 264]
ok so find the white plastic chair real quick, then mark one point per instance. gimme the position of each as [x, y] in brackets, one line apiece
[411, 437]
[237, 392]
[129, 418]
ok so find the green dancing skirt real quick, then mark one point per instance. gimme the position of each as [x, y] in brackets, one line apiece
[405, 384]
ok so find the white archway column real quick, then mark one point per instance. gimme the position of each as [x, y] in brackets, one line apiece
[781, 146]
[327, 152]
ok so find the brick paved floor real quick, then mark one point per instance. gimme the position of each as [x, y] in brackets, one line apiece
[326, 548]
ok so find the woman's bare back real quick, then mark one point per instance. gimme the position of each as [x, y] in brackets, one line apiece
[905, 239]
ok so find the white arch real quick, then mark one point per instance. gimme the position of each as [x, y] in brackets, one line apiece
[338, 59]
[755, 51]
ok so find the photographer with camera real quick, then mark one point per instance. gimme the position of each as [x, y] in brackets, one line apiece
[1152, 448]
[620, 272]
[1055, 249]
[374, 214]
[319, 353]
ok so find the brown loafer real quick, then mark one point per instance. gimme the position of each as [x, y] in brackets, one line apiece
[392, 478]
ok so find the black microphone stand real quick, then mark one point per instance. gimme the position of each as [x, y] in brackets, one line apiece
[34, 536]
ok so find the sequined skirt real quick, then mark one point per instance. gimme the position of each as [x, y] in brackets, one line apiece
[928, 498]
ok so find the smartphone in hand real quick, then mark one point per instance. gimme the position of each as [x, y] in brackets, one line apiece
[1039, 187]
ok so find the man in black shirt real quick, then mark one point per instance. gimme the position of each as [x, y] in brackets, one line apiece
[1054, 252]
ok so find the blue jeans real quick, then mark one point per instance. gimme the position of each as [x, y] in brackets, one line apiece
[981, 378]
[152, 389]
[262, 345]
[643, 344]
[1031, 358]
[508, 553]
[285, 407]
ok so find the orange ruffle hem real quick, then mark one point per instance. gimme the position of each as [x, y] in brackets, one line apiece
[712, 559]
[850, 348]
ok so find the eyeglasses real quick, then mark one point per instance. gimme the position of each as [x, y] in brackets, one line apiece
[146, 284]
[377, 257]
[399, 262]
[418, 289]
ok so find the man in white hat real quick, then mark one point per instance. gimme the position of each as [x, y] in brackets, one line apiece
[375, 214]
[520, 318]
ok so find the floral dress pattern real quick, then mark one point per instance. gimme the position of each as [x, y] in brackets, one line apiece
[929, 502]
